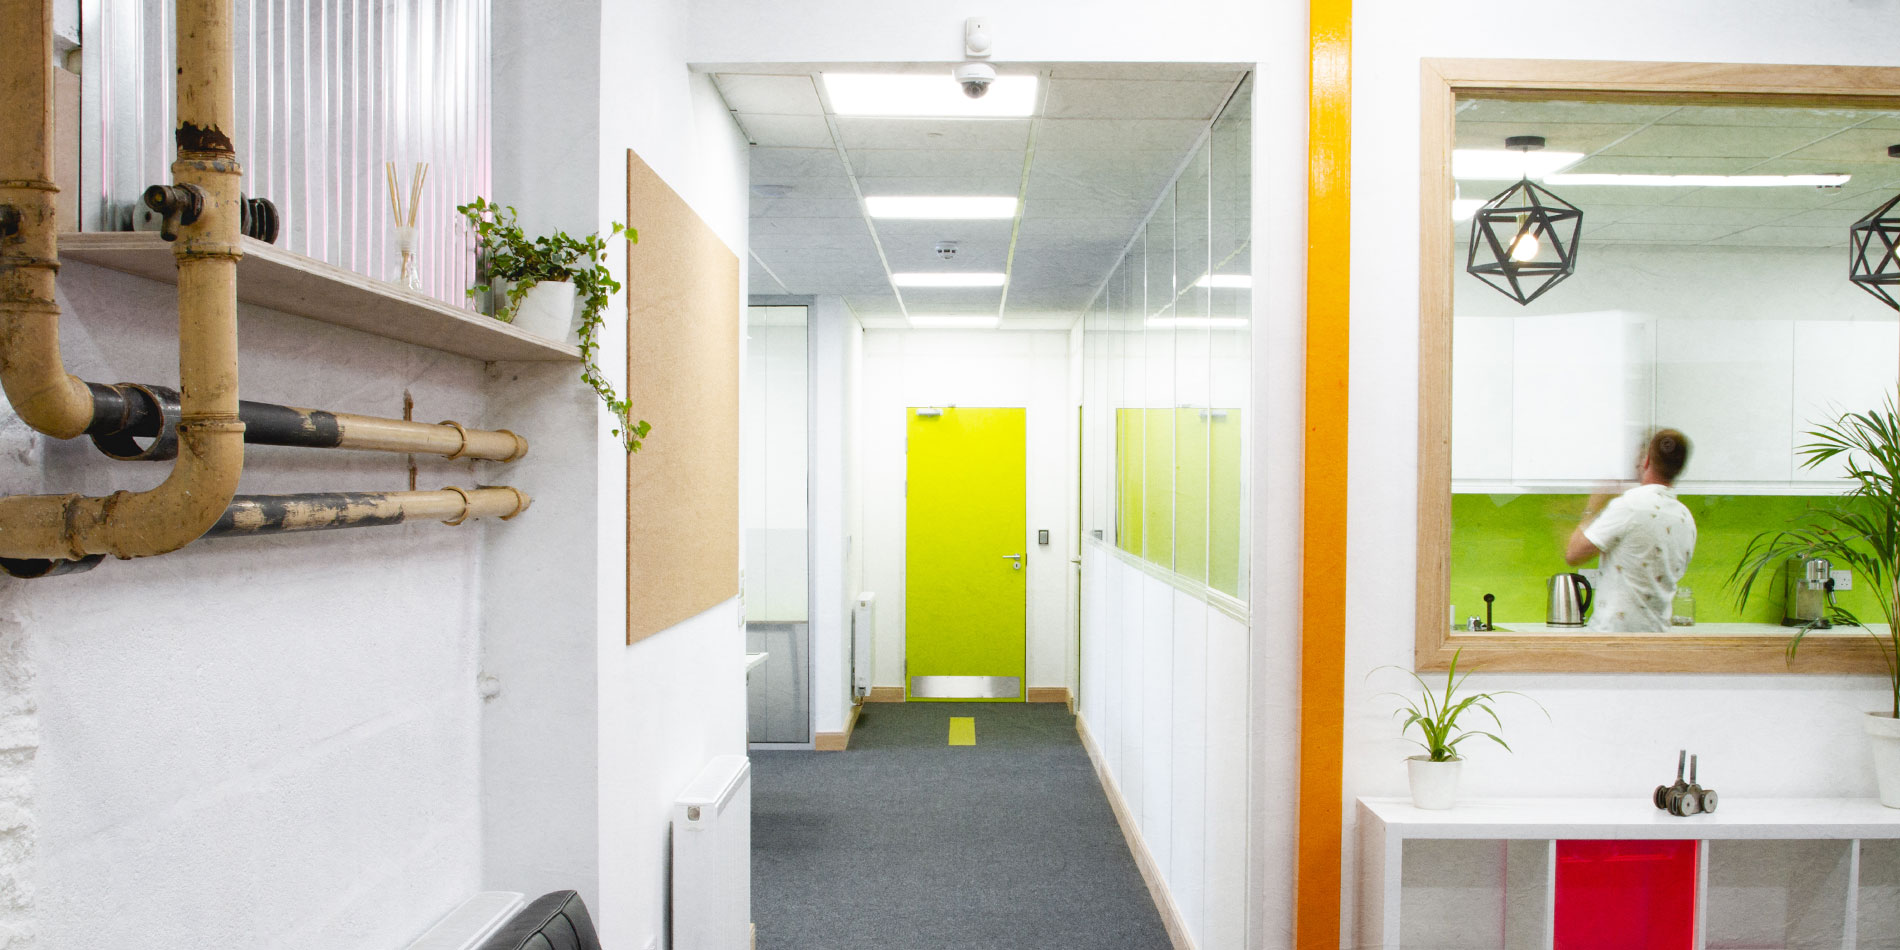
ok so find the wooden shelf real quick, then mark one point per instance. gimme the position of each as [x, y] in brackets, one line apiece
[271, 277]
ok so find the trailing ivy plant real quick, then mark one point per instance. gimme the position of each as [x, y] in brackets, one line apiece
[507, 253]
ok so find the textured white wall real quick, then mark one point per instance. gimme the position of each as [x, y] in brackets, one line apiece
[254, 741]
[1027, 369]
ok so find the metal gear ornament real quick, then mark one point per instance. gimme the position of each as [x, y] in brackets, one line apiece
[1524, 240]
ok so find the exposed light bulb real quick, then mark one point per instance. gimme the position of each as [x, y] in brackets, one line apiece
[1524, 247]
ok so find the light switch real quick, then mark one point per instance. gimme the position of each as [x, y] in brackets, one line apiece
[1042, 537]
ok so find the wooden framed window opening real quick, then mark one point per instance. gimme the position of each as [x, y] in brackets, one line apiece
[1445, 81]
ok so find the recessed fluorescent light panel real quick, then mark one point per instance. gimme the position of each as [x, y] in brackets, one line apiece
[933, 95]
[948, 280]
[1198, 323]
[1226, 281]
[946, 208]
[1703, 181]
[1499, 164]
[948, 322]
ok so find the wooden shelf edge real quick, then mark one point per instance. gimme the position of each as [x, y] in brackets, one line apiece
[277, 279]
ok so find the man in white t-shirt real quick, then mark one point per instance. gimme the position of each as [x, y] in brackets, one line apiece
[1645, 537]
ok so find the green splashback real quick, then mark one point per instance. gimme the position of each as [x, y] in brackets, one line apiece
[1509, 545]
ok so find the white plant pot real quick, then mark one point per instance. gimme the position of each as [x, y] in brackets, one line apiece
[547, 309]
[1884, 731]
[1434, 784]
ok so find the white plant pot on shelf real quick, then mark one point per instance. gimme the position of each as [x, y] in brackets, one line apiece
[1434, 784]
[1884, 732]
[547, 309]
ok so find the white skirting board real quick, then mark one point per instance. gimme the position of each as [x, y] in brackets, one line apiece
[712, 858]
[474, 921]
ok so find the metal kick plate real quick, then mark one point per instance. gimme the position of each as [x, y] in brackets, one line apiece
[966, 687]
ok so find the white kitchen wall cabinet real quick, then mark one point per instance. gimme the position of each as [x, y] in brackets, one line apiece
[1482, 369]
[1839, 365]
[1581, 394]
[1729, 386]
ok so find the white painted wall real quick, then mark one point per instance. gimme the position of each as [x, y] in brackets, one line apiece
[676, 699]
[1027, 369]
[629, 725]
[1757, 735]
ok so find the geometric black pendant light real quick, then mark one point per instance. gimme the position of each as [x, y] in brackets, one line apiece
[1524, 240]
[1872, 267]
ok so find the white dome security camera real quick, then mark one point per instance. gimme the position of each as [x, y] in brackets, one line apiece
[975, 78]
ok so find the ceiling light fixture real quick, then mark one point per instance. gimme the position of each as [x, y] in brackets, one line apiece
[952, 322]
[941, 208]
[1701, 181]
[948, 280]
[1197, 323]
[1872, 265]
[1226, 281]
[1490, 164]
[1528, 236]
[919, 96]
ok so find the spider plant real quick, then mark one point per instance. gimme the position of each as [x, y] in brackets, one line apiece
[1437, 716]
[1860, 530]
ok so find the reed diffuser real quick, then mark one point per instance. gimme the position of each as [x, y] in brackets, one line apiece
[409, 271]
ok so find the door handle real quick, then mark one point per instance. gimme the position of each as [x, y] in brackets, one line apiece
[1015, 557]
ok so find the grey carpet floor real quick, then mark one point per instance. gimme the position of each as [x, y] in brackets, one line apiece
[905, 842]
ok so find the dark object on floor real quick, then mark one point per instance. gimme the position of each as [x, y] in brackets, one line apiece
[556, 921]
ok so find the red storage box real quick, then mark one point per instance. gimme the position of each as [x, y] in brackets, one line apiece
[1625, 895]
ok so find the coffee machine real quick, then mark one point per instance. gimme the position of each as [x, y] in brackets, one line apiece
[1808, 582]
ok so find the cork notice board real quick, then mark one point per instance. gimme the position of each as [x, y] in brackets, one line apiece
[683, 314]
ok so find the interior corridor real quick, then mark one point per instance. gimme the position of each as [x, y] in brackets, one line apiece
[906, 840]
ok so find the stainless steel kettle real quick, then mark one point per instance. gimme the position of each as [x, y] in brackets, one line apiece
[1570, 599]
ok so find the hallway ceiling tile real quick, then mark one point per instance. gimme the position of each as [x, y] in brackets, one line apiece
[1107, 141]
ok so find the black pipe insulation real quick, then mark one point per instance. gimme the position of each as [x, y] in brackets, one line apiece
[127, 412]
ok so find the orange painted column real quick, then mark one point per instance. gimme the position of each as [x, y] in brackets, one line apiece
[1323, 514]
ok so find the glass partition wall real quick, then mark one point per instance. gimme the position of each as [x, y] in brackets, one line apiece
[773, 466]
[1166, 377]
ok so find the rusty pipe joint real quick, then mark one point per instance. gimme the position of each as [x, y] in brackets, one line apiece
[178, 205]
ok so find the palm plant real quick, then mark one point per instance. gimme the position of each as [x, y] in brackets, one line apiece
[1437, 716]
[1861, 530]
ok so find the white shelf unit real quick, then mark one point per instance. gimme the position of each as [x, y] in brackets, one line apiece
[1773, 873]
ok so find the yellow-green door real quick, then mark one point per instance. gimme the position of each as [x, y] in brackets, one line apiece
[966, 555]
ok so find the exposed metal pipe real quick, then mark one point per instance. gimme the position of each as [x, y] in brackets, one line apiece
[36, 382]
[32, 372]
[324, 511]
[127, 412]
[204, 477]
[251, 515]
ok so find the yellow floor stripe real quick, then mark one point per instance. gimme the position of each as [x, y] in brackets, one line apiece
[963, 730]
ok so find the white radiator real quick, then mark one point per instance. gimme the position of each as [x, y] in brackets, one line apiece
[712, 858]
[862, 626]
[467, 926]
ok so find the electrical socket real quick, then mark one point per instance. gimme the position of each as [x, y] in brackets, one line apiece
[1843, 580]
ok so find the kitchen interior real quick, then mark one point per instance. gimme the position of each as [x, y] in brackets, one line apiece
[1708, 294]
